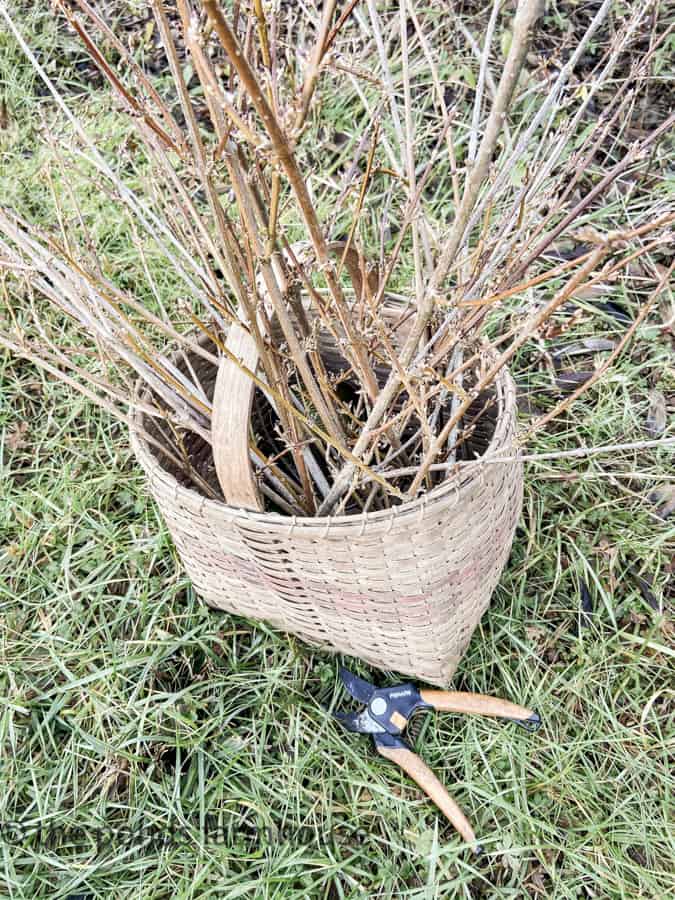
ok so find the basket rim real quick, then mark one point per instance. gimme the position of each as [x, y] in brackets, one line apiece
[453, 483]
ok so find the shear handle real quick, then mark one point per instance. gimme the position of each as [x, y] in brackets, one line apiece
[478, 705]
[420, 772]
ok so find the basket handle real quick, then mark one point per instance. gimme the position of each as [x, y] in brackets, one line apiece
[230, 419]
[233, 397]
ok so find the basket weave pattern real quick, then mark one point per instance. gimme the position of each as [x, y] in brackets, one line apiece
[402, 589]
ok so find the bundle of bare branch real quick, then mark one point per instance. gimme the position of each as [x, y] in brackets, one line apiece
[368, 315]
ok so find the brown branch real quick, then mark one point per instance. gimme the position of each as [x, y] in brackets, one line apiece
[564, 404]
[633, 155]
[318, 53]
[526, 332]
[286, 158]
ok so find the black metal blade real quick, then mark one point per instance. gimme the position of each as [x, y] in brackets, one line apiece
[359, 722]
[392, 741]
[532, 724]
[359, 688]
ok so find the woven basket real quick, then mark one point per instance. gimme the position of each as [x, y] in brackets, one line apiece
[403, 589]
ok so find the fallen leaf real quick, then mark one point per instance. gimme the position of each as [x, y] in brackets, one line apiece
[614, 310]
[667, 630]
[638, 856]
[536, 635]
[586, 605]
[605, 546]
[537, 883]
[592, 291]
[568, 381]
[568, 249]
[656, 416]
[647, 593]
[589, 345]
[528, 407]
[115, 777]
[15, 438]
[555, 329]
[663, 498]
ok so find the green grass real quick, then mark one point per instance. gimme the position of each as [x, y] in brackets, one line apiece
[126, 705]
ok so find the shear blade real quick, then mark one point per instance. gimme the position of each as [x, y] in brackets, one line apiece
[359, 688]
[359, 722]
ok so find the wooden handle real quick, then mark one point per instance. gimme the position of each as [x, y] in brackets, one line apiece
[475, 704]
[432, 787]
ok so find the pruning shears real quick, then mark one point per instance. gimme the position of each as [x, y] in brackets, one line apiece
[386, 715]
